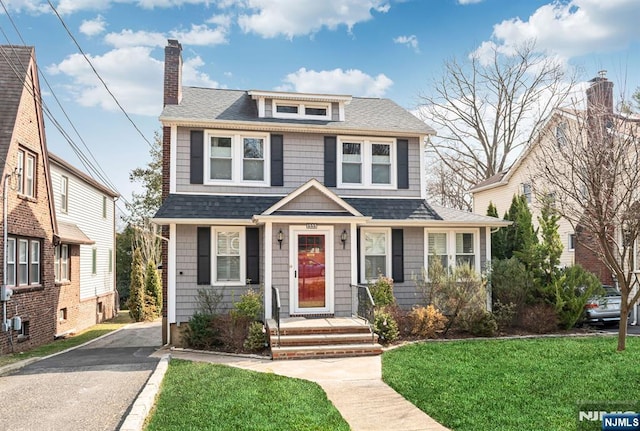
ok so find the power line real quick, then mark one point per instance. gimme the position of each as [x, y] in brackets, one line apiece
[98, 75]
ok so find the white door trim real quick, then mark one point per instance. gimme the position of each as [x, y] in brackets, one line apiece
[311, 229]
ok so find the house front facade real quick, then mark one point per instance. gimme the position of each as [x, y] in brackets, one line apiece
[85, 252]
[311, 194]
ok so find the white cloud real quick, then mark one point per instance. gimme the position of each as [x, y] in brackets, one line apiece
[132, 75]
[201, 35]
[574, 28]
[93, 27]
[292, 18]
[463, 2]
[72, 6]
[336, 81]
[410, 41]
[130, 38]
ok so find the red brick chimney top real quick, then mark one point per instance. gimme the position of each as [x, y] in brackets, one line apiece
[172, 73]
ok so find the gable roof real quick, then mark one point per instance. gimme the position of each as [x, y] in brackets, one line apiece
[63, 164]
[14, 64]
[211, 106]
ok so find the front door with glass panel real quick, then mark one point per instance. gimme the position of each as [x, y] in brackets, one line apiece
[311, 275]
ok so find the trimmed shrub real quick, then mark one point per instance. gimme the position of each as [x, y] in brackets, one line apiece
[402, 319]
[511, 283]
[153, 291]
[382, 291]
[257, 338]
[249, 306]
[231, 332]
[480, 323]
[427, 322]
[570, 292]
[136, 290]
[199, 332]
[504, 314]
[385, 326]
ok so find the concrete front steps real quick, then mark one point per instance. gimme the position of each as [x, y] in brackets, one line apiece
[302, 338]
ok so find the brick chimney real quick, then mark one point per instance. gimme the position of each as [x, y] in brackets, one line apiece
[172, 73]
[600, 94]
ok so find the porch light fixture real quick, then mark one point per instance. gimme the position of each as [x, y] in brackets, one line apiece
[343, 238]
[280, 237]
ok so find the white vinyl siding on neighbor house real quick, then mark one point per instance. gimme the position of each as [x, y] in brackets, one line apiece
[366, 162]
[375, 253]
[453, 247]
[86, 207]
[237, 158]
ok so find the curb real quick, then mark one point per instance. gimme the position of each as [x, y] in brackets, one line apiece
[20, 364]
[146, 399]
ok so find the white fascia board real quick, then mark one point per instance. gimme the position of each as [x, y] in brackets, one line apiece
[203, 221]
[436, 223]
[318, 218]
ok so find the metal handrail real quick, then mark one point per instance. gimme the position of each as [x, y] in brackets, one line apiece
[275, 306]
[365, 307]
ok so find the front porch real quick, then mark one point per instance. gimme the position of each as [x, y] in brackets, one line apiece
[305, 338]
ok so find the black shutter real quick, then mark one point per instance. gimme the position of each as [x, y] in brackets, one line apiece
[253, 255]
[358, 256]
[403, 163]
[397, 255]
[197, 157]
[277, 161]
[330, 161]
[204, 255]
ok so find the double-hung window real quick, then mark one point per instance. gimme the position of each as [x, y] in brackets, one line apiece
[375, 253]
[23, 261]
[229, 255]
[61, 263]
[64, 194]
[237, 158]
[453, 247]
[364, 162]
[26, 168]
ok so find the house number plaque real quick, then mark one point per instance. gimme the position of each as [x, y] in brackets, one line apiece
[312, 226]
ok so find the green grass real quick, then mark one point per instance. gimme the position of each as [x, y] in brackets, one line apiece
[528, 384]
[200, 396]
[59, 345]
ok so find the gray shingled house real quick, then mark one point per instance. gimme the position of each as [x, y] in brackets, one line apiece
[311, 194]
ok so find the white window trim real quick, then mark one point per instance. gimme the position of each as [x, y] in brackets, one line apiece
[301, 114]
[388, 260]
[237, 158]
[64, 194]
[451, 245]
[11, 261]
[367, 162]
[569, 248]
[214, 256]
[60, 262]
[30, 175]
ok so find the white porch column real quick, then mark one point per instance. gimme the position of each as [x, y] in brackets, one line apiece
[268, 266]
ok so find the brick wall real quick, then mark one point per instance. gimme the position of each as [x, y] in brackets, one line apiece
[589, 260]
[30, 218]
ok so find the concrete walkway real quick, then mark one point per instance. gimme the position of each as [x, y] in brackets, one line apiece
[354, 386]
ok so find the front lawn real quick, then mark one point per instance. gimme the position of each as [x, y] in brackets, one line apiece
[527, 384]
[201, 396]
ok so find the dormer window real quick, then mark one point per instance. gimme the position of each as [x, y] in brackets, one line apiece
[301, 110]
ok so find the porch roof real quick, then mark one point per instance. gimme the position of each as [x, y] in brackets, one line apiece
[185, 208]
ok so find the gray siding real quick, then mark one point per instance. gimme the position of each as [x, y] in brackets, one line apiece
[303, 160]
[406, 292]
[312, 200]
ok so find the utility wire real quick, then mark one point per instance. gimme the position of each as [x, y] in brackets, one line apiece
[98, 75]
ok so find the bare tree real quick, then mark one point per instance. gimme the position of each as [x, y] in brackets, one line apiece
[593, 169]
[446, 187]
[487, 107]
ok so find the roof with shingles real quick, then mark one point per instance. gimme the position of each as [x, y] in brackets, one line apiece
[220, 105]
[14, 63]
[244, 207]
[83, 176]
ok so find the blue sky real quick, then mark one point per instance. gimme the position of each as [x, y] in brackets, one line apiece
[377, 48]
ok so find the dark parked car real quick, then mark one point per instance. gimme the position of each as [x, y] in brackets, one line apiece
[310, 268]
[604, 308]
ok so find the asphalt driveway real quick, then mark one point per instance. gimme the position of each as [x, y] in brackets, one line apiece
[89, 388]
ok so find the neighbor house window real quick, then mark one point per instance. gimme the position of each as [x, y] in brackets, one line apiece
[94, 261]
[237, 158]
[61, 263]
[572, 241]
[561, 134]
[375, 253]
[453, 247]
[23, 261]
[526, 191]
[110, 263]
[104, 207]
[366, 163]
[64, 194]
[229, 253]
[26, 167]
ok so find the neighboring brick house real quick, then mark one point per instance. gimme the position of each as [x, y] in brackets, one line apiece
[30, 218]
[44, 307]
[523, 177]
[309, 193]
[84, 257]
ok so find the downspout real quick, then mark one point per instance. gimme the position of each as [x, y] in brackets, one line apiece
[5, 208]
